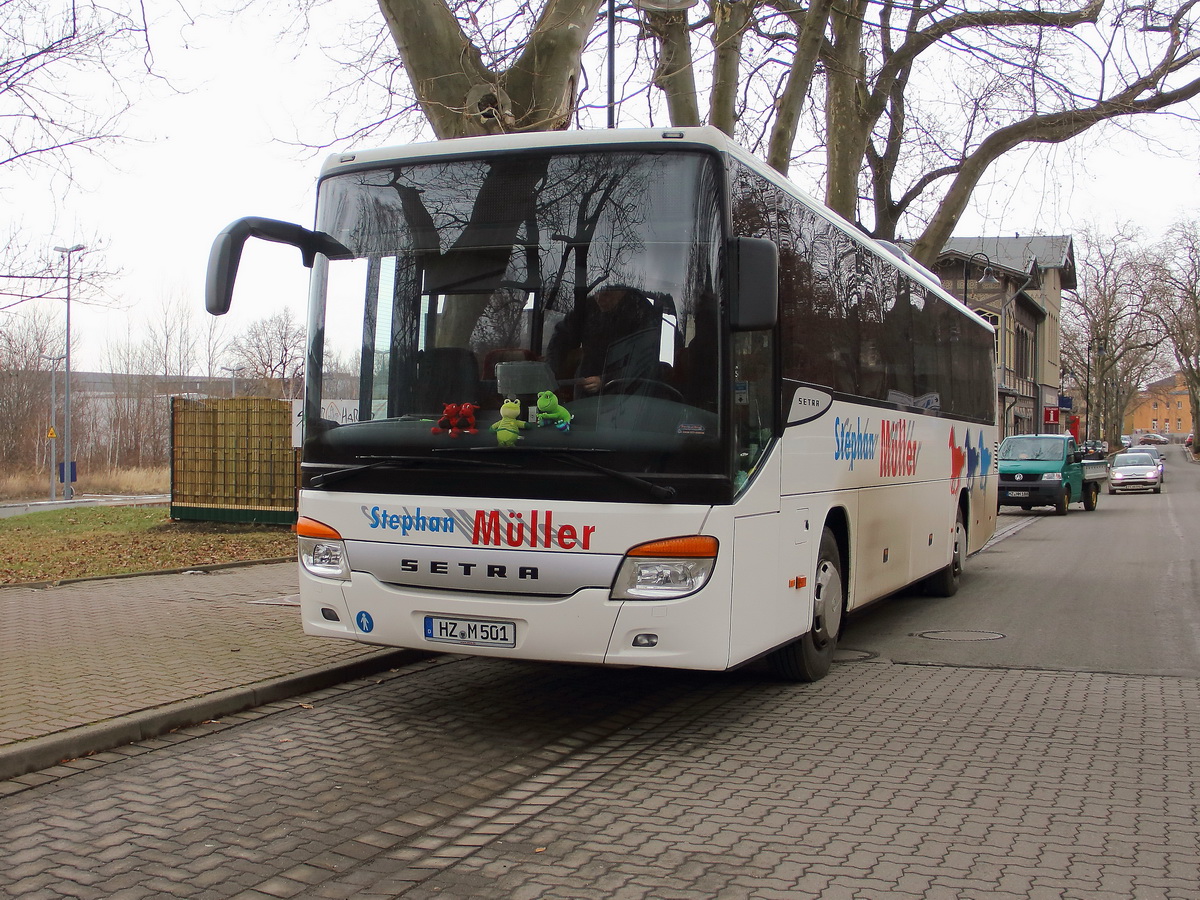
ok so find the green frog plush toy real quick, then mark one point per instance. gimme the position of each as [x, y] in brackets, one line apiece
[510, 423]
[550, 412]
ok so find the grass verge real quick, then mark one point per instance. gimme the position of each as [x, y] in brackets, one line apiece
[116, 540]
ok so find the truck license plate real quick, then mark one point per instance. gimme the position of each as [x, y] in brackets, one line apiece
[472, 632]
[1018, 493]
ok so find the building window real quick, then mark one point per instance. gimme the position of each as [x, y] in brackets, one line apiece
[1023, 352]
[1155, 404]
[1154, 424]
[993, 320]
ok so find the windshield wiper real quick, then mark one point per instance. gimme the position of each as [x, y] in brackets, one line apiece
[657, 491]
[378, 462]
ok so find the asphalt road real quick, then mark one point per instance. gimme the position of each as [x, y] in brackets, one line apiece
[7, 510]
[1114, 590]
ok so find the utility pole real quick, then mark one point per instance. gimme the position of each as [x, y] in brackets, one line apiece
[68, 475]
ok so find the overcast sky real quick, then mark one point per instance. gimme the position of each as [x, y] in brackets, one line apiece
[217, 152]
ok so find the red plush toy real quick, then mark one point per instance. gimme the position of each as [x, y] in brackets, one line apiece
[448, 420]
[466, 419]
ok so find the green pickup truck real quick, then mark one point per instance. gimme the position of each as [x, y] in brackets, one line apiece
[1048, 470]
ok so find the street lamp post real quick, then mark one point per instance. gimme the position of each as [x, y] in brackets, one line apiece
[68, 462]
[233, 374]
[54, 361]
[612, 63]
[987, 279]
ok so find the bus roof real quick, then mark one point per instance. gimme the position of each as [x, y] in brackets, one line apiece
[705, 136]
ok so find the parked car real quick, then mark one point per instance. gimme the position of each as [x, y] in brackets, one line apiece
[1126, 440]
[1134, 470]
[1151, 438]
[1187, 441]
[1094, 449]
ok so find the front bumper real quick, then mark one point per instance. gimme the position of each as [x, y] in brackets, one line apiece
[1145, 483]
[1030, 493]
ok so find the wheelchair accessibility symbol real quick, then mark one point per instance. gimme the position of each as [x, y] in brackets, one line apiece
[364, 622]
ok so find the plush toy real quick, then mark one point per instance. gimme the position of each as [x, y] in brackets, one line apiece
[447, 420]
[549, 411]
[466, 420]
[508, 426]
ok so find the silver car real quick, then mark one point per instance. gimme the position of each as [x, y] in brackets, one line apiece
[1159, 459]
[1134, 470]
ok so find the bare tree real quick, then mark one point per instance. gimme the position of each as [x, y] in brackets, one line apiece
[132, 426]
[28, 344]
[271, 351]
[906, 107]
[170, 344]
[51, 51]
[1112, 343]
[1175, 276]
[214, 345]
[24, 275]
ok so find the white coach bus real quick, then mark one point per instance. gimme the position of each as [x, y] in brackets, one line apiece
[622, 397]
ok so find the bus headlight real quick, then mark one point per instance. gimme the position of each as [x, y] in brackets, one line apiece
[666, 569]
[322, 551]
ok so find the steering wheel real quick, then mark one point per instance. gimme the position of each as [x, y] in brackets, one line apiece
[655, 388]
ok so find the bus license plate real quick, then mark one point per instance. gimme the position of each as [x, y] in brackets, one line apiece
[473, 632]
[1018, 493]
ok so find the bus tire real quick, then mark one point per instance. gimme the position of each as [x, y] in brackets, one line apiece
[1091, 495]
[945, 582]
[809, 656]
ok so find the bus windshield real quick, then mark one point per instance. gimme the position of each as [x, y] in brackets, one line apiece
[1037, 448]
[526, 309]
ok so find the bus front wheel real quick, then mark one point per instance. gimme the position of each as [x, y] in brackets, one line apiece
[809, 657]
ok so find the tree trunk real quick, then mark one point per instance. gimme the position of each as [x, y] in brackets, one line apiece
[730, 25]
[461, 96]
[846, 128]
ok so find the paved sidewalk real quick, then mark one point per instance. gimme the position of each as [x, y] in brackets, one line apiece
[93, 665]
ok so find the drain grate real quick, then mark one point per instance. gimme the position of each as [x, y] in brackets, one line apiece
[961, 635]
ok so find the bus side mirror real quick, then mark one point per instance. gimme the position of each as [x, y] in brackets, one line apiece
[226, 253]
[753, 283]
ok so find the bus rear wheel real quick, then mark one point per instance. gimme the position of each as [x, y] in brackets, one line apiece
[945, 582]
[809, 657]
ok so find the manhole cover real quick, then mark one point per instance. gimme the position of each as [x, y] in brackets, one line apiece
[961, 635]
[847, 654]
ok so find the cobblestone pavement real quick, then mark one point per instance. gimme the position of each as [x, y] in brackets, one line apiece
[472, 778]
[81, 658]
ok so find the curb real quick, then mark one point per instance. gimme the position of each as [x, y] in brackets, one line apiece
[211, 567]
[31, 755]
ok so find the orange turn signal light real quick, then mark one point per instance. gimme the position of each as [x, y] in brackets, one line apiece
[311, 528]
[694, 546]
